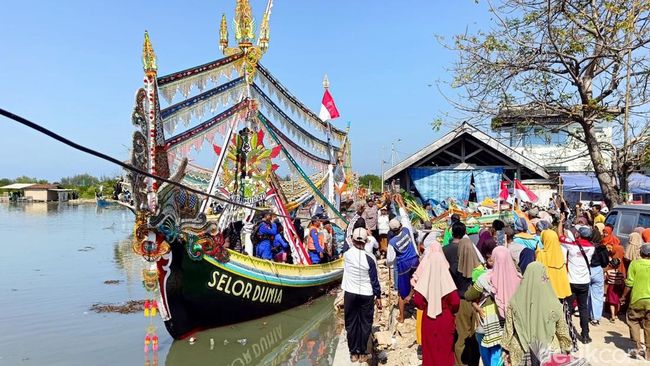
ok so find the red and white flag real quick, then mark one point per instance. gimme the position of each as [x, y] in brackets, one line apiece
[328, 108]
[523, 193]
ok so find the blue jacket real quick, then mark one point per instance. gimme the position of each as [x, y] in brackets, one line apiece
[263, 249]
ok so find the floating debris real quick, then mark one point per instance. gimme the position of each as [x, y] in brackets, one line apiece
[85, 249]
[129, 307]
[225, 342]
[112, 282]
[192, 340]
[242, 341]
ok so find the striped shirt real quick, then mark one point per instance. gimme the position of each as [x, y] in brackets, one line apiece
[615, 277]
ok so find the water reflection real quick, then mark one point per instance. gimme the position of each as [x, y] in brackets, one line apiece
[46, 299]
[306, 335]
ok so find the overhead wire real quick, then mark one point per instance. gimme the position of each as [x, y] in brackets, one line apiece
[87, 150]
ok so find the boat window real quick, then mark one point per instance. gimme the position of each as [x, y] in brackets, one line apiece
[628, 222]
[611, 219]
[644, 220]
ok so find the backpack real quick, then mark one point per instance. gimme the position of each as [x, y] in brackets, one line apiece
[256, 237]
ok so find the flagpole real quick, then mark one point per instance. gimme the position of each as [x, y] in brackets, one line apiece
[330, 166]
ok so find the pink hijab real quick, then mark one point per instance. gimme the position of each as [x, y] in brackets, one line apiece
[434, 247]
[504, 278]
[434, 282]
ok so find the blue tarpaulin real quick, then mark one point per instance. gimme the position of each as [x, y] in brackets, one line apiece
[436, 184]
[588, 183]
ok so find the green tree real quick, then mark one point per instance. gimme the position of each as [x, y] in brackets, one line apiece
[26, 179]
[80, 180]
[584, 62]
[370, 179]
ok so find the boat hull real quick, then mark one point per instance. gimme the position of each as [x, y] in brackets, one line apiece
[206, 293]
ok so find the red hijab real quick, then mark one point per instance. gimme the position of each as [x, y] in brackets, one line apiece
[614, 247]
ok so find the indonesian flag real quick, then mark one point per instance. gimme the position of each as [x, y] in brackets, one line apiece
[328, 108]
[504, 191]
[523, 193]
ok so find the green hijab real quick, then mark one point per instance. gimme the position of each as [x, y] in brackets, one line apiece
[535, 307]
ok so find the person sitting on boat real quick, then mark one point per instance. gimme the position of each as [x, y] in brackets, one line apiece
[280, 247]
[267, 233]
[314, 240]
[327, 234]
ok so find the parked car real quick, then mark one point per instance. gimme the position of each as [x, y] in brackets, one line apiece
[625, 218]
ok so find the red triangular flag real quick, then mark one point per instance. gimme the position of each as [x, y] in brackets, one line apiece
[216, 149]
[276, 151]
[260, 137]
[274, 167]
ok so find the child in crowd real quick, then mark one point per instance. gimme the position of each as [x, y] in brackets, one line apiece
[615, 280]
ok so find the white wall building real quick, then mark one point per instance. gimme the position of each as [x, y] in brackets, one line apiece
[521, 129]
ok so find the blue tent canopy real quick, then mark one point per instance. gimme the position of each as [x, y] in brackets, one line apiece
[588, 183]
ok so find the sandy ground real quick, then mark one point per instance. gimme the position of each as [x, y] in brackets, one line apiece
[395, 343]
[610, 346]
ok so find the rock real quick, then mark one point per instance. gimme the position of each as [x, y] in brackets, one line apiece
[384, 338]
[382, 356]
[338, 302]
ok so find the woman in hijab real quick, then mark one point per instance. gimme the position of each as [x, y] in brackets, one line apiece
[534, 314]
[523, 237]
[466, 347]
[600, 226]
[436, 295]
[485, 241]
[553, 258]
[426, 262]
[526, 257]
[633, 250]
[645, 235]
[493, 290]
[614, 247]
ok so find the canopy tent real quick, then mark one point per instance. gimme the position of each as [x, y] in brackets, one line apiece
[588, 183]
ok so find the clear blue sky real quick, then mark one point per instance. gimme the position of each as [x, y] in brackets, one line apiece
[74, 67]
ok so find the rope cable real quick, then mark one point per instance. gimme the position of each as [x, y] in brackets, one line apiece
[87, 150]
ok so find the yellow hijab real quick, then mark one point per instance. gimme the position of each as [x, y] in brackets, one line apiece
[553, 259]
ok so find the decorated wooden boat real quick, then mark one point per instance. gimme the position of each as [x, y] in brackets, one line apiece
[208, 293]
[187, 219]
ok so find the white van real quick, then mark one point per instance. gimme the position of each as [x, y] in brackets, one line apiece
[625, 218]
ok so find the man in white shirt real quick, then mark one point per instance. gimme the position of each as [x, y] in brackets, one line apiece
[579, 253]
[361, 285]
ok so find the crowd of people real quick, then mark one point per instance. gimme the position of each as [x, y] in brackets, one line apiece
[500, 293]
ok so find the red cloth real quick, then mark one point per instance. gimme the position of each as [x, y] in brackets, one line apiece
[438, 333]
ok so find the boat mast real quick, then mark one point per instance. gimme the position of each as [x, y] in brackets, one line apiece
[245, 35]
[151, 116]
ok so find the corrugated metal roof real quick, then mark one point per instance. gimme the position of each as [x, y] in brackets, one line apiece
[466, 128]
[18, 186]
[43, 186]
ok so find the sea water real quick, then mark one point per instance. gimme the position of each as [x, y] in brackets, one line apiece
[54, 261]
